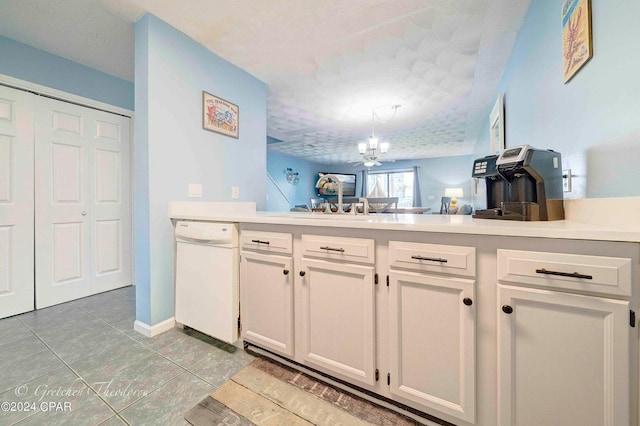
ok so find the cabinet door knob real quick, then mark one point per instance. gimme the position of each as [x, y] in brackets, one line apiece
[286, 272]
[467, 301]
[507, 309]
[302, 273]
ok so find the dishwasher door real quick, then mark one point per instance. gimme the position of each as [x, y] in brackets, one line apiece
[207, 288]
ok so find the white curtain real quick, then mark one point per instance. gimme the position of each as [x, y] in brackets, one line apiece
[416, 188]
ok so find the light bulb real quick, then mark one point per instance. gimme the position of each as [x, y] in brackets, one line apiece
[384, 147]
[362, 147]
[373, 142]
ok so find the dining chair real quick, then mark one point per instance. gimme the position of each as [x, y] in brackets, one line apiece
[444, 205]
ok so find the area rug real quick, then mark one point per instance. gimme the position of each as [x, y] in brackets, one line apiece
[268, 393]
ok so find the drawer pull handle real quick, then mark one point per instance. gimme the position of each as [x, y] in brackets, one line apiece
[507, 309]
[564, 274]
[431, 259]
[285, 272]
[467, 301]
[260, 242]
[341, 250]
[302, 273]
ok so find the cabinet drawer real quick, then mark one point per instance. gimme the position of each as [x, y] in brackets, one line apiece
[593, 274]
[338, 248]
[271, 242]
[456, 260]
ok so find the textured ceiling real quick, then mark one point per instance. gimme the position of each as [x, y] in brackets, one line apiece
[327, 64]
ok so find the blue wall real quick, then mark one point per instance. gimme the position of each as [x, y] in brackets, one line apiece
[172, 150]
[299, 193]
[34, 65]
[593, 120]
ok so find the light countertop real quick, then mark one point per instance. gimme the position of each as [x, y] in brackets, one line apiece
[452, 224]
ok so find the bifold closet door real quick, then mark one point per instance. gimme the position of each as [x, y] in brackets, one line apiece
[16, 201]
[82, 221]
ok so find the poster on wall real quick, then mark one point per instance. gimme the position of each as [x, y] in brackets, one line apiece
[219, 116]
[577, 45]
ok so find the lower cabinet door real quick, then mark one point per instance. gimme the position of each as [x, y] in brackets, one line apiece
[266, 285]
[338, 319]
[563, 359]
[432, 342]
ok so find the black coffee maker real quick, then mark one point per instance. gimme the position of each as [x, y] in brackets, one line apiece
[496, 186]
[523, 183]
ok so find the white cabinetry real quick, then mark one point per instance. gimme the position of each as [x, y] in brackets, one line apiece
[563, 358]
[436, 341]
[266, 283]
[338, 307]
[432, 327]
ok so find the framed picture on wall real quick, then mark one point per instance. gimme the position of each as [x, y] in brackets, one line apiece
[577, 44]
[496, 126]
[219, 116]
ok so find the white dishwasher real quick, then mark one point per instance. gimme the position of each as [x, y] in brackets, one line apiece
[207, 278]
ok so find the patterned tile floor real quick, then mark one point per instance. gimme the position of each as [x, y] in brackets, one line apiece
[81, 363]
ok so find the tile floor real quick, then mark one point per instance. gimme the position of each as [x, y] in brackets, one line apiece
[81, 363]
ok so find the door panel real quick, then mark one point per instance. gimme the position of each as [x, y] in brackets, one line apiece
[6, 170]
[67, 252]
[562, 351]
[111, 201]
[108, 236]
[66, 122]
[6, 257]
[108, 172]
[16, 201]
[338, 306]
[444, 378]
[83, 227]
[66, 173]
[267, 301]
[62, 242]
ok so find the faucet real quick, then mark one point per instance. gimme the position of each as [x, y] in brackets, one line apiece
[336, 181]
[365, 205]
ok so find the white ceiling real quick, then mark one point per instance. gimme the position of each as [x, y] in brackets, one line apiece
[327, 64]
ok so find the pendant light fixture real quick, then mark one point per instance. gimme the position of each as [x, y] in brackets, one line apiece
[372, 150]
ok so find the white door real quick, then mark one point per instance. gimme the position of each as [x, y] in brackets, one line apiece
[110, 201]
[338, 319]
[82, 221]
[563, 359]
[267, 301]
[16, 202]
[432, 342]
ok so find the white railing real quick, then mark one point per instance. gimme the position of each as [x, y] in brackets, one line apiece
[284, 196]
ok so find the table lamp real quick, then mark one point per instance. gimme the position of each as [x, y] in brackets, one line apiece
[454, 194]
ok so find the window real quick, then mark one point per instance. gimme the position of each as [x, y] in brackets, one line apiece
[397, 183]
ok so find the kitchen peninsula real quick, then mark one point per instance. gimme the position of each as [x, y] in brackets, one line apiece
[472, 321]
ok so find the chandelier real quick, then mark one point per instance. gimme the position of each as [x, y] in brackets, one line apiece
[372, 150]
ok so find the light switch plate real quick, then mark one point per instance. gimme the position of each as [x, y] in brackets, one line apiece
[195, 190]
[235, 192]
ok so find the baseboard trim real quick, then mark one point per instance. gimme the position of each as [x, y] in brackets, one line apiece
[154, 330]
